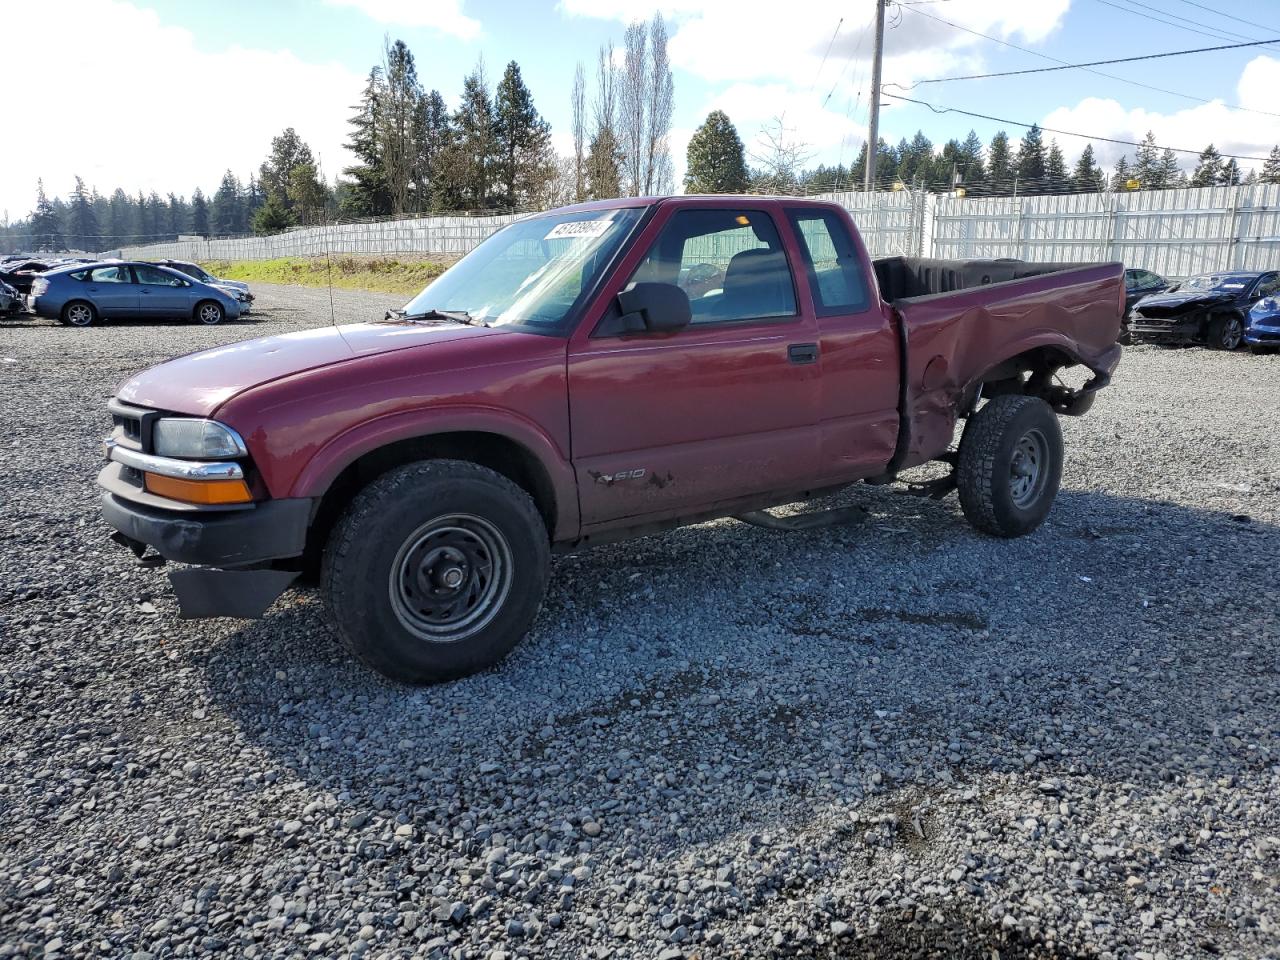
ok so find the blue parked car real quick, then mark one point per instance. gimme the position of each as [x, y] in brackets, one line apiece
[81, 294]
[1262, 328]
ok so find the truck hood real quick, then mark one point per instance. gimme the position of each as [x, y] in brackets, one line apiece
[199, 383]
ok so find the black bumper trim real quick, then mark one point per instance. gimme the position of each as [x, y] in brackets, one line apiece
[276, 529]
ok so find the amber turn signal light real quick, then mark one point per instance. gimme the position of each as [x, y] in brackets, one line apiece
[204, 492]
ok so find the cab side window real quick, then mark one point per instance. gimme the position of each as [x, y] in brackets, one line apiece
[1269, 286]
[831, 260]
[156, 278]
[731, 263]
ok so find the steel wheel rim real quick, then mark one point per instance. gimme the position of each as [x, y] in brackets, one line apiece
[209, 313]
[1232, 333]
[450, 578]
[78, 315]
[1029, 468]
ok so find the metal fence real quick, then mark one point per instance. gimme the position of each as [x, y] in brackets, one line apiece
[1177, 233]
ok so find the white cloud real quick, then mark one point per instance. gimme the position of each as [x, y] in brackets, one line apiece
[443, 15]
[145, 108]
[1230, 130]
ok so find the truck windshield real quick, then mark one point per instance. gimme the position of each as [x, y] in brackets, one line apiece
[532, 273]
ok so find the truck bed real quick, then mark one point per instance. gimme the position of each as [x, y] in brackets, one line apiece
[964, 324]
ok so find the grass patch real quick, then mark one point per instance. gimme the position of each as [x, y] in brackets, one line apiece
[379, 274]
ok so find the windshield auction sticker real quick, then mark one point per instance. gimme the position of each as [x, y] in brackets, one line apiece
[578, 228]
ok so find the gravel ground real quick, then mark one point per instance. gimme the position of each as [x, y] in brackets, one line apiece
[898, 739]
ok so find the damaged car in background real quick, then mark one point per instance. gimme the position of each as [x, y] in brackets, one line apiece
[1211, 309]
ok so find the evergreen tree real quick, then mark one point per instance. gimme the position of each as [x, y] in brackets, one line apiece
[474, 144]
[1168, 172]
[716, 162]
[431, 137]
[525, 161]
[1271, 167]
[401, 96]
[366, 195]
[82, 224]
[46, 233]
[288, 150]
[228, 210]
[157, 226]
[604, 165]
[199, 213]
[177, 215]
[1120, 179]
[969, 159]
[1000, 165]
[1087, 176]
[1146, 167]
[122, 219]
[1230, 173]
[1208, 170]
[272, 217]
[1055, 170]
[1031, 161]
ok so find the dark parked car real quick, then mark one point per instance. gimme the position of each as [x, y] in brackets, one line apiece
[10, 299]
[1209, 309]
[237, 288]
[19, 273]
[1138, 284]
[80, 295]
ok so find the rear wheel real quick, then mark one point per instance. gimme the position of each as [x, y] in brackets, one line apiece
[1226, 332]
[436, 570]
[79, 313]
[1010, 465]
[209, 313]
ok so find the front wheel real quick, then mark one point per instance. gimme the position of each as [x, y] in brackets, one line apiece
[1010, 465]
[209, 313]
[1226, 333]
[436, 570]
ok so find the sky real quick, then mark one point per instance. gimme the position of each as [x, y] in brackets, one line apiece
[165, 95]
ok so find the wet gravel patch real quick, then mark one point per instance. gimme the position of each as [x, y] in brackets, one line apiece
[896, 739]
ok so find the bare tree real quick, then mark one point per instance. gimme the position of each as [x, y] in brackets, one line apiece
[604, 155]
[780, 157]
[661, 90]
[579, 100]
[606, 105]
[633, 97]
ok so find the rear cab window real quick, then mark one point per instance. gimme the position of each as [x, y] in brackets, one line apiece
[831, 261]
[731, 263]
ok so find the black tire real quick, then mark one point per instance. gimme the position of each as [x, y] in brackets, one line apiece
[208, 313]
[392, 560]
[1010, 465]
[79, 313]
[1225, 332]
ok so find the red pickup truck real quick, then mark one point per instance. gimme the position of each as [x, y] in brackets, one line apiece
[602, 371]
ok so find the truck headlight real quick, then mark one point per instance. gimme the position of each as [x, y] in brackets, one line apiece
[196, 439]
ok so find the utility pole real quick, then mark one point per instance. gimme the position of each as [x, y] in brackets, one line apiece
[873, 132]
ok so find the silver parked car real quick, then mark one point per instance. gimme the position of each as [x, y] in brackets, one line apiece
[237, 288]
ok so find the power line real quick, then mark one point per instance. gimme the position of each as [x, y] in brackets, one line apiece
[1230, 16]
[826, 54]
[1086, 67]
[1097, 63]
[1067, 133]
[1151, 13]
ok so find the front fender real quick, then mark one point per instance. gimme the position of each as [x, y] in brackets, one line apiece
[348, 447]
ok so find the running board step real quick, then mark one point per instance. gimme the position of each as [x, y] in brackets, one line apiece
[804, 521]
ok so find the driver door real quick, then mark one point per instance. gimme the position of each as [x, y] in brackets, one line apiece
[161, 294]
[666, 424]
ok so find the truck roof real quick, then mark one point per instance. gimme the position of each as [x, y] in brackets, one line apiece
[728, 199]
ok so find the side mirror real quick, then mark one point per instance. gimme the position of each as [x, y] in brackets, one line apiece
[660, 307]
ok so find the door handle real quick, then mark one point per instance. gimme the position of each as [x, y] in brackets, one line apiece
[803, 353]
